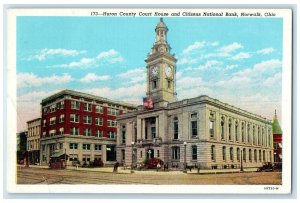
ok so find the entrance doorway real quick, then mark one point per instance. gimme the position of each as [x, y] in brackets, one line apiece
[150, 153]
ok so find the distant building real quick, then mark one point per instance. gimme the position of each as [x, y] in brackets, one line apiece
[21, 146]
[81, 125]
[33, 140]
[277, 136]
[198, 131]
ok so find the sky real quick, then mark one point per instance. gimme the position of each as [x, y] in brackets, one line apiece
[235, 60]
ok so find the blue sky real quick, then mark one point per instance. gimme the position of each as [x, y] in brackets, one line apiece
[235, 60]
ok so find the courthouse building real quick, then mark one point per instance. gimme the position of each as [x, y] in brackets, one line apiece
[200, 130]
[80, 125]
[33, 140]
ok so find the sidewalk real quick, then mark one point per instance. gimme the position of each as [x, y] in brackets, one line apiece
[121, 170]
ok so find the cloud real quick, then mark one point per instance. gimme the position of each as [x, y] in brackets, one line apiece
[230, 67]
[241, 55]
[208, 64]
[234, 82]
[33, 80]
[132, 94]
[230, 48]
[188, 82]
[196, 45]
[92, 77]
[187, 60]
[266, 51]
[133, 76]
[46, 53]
[105, 57]
[261, 68]
[274, 80]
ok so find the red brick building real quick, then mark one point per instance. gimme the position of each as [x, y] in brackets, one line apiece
[277, 139]
[80, 125]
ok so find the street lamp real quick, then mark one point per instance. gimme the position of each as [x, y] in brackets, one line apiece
[132, 143]
[184, 157]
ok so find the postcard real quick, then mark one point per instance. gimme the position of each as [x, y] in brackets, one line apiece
[140, 100]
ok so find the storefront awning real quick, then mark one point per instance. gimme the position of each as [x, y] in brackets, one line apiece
[58, 154]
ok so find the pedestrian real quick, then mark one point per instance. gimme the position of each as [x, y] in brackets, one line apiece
[158, 166]
[77, 164]
[116, 165]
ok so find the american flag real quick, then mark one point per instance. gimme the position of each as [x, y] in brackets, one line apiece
[148, 103]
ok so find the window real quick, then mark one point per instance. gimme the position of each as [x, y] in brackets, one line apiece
[259, 137]
[61, 131]
[236, 131]
[194, 152]
[74, 118]
[87, 107]
[112, 112]
[73, 146]
[213, 152]
[154, 84]
[153, 131]
[238, 154]
[175, 153]
[86, 146]
[111, 134]
[224, 153]
[52, 108]
[250, 155]
[87, 119]
[175, 125]
[97, 147]
[62, 104]
[99, 133]
[269, 138]
[99, 121]
[111, 123]
[169, 84]
[62, 118]
[254, 136]
[259, 155]
[244, 154]
[99, 109]
[230, 129]
[74, 131]
[248, 134]
[211, 125]
[44, 123]
[264, 155]
[73, 157]
[75, 105]
[123, 154]
[157, 152]
[222, 128]
[194, 125]
[52, 120]
[52, 132]
[255, 155]
[123, 134]
[87, 132]
[243, 132]
[231, 153]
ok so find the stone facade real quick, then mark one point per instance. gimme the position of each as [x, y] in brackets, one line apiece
[33, 140]
[199, 131]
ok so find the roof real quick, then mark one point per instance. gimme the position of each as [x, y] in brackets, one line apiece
[161, 24]
[276, 126]
[86, 95]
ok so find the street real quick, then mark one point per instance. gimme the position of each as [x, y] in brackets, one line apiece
[50, 176]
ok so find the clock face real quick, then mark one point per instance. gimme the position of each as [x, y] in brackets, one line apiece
[154, 71]
[168, 71]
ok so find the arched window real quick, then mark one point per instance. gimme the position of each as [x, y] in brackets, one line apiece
[224, 153]
[236, 131]
[250, 155]
[243, 132]
[222, 128]
[175, 128]
[231, 153]
[255, 155]
[238, 154]
[244, 154]
[229, 129]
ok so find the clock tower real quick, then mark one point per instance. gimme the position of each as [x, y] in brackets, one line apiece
[161, 69]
